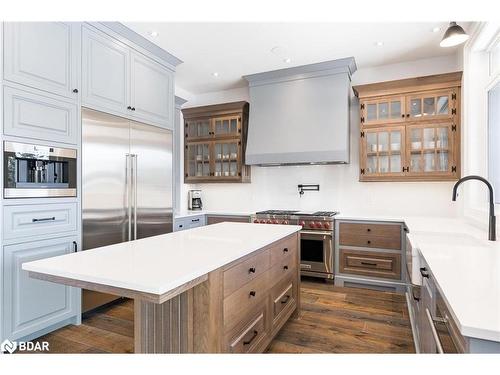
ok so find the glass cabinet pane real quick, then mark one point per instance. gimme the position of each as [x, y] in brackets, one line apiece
[198, 160]
[226, 125]
[442, 105]
[198, 128]
[383, 111]
[371, 112]
[384, 151]
[226, 159]
[416, 107]
[429, 107]
[383, 141]
[395, 109]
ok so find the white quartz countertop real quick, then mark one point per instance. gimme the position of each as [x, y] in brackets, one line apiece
[465, 265]
[162, 263]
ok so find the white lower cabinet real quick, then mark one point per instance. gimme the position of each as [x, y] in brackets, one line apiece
[189, 222]
[30, 305]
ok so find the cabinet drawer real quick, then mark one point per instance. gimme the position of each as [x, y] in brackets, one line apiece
[283, 250]
[38, 219]
[367, 263]
[248, 297]
[214, 219]
[286, 268]
[32, 115]
[283, 295]
[244, 272]
[384, 236]
[246, 339]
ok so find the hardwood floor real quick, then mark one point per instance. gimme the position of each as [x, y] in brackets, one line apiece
[332, 320]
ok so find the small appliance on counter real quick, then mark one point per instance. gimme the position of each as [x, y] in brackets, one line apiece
[194, 200]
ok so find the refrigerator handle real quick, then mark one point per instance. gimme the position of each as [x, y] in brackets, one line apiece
[128, 192]
[134, 156]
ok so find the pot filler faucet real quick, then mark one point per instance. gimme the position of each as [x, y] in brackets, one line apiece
[492, 221]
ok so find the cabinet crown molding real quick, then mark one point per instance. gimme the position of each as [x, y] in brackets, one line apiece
[215, 109]
[408, 85]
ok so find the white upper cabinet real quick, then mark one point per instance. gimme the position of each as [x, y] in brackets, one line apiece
[43, 55]
[152, 90]
[120, 80]
[105, 72]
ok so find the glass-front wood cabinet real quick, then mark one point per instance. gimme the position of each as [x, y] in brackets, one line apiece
[409, 129]
[215, 139]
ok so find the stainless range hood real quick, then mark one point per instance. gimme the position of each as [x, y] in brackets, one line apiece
[300, 115]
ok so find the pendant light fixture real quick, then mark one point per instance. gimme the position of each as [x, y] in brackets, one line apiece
[453, 36]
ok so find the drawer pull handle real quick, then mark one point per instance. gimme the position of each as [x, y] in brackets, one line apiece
[423, 272]
[285, 267]
[251, 270]
[369, 264]
[368, 242]
[252, 293]
[255, 333]
[368, 230]
[285, 299]
[285, 250]
[75, 246]
[414, 296]
[43, 219]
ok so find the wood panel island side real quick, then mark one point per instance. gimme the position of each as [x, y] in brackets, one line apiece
[223, 288]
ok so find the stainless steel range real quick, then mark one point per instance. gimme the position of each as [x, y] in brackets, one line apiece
[317, 234]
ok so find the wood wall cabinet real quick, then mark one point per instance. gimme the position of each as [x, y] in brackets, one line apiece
[215, 140]
[410, 129]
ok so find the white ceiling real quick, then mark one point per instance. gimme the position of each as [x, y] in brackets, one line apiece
[236, 49]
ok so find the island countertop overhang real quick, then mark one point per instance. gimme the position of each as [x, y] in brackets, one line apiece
[157, 266]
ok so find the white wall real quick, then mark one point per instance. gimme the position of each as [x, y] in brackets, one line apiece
[479, 77]
[276, 187]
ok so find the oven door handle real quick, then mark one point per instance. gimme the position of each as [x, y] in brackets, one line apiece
[322, 233]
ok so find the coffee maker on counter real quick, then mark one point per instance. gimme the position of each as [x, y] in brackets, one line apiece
[194, 200]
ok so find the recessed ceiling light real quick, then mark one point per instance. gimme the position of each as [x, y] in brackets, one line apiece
[287, 60]
[436, 29]
[215, 74]
[379, 44]
[153, 33]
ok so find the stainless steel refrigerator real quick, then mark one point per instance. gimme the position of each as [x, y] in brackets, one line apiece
[127, 184]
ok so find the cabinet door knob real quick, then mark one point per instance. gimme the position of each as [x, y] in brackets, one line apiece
[368, 242]
[75, 91]
[251, 270]
[252, 293]
[285, 250]
[133, 108]
[285, 267]
[129, 107]
[403, 115]
[368, 230]
[407, 115]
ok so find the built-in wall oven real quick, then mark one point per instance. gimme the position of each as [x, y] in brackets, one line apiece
[316, 253]
[32, 171]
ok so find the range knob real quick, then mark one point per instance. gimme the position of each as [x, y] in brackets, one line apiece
[326, 225]
[256, 221]
[312, 224]
[275, 222]
[285, 222]
[269, 222]
[302, 223]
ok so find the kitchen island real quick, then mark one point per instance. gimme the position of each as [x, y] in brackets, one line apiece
[227, 287]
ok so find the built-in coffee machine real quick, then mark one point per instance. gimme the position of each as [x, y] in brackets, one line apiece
[194, 200]
[32, 171]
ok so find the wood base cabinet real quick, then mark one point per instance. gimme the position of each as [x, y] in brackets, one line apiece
[410, 129]
[239, 308]
[369, 254]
